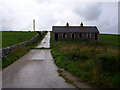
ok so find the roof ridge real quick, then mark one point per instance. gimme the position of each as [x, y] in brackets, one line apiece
[75, 26]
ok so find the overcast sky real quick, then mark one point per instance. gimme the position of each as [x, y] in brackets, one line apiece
[18, 14]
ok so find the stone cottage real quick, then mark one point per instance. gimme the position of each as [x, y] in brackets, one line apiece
[75, 32]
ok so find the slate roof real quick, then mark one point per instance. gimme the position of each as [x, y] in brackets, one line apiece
[75, 29]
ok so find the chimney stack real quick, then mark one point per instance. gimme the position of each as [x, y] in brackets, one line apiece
[81, 24]
[67, 24]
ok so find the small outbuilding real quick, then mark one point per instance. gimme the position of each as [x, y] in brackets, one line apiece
[75, 32]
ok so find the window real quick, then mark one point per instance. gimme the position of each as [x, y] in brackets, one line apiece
[80, 35]
[87, 35]
[64, 35]
[72, 35]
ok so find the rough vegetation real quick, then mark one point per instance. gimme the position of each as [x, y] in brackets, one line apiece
[96, 62]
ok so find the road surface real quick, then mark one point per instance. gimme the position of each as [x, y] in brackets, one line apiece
[36, 69]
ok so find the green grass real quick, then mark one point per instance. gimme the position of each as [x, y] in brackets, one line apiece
[96, 62]
[20, 51]
[14, 37]
[110, 39]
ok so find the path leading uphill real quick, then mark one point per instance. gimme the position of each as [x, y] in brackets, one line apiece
[36, 69]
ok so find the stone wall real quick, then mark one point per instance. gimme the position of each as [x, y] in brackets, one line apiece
[6, 51]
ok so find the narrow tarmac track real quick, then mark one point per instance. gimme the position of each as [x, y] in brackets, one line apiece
[36, 69]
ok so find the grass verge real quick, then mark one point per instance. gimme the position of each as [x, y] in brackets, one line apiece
[67, 79]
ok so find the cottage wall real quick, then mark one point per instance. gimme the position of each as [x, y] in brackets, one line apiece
[53, 36]
[85, 36]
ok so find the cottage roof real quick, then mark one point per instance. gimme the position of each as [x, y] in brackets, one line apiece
[75, 29]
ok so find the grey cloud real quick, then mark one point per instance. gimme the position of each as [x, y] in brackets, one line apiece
[44, 1]
[48, 13]
[90, 12]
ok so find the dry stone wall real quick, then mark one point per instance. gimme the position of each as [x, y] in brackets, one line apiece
[6, 51]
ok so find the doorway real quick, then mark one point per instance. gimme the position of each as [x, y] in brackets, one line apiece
[96, 36]
[56, 36]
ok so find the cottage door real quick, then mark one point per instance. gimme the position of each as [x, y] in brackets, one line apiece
[96, 36]
[56, 36]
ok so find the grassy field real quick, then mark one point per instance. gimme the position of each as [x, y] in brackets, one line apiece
[14, 37]
[110, 39]
[96, 62]
[17, 37]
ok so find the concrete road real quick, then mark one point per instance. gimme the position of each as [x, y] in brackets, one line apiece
[45, 43]
[34, 70]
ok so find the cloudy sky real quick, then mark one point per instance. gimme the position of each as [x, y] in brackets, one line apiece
[18, 14]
